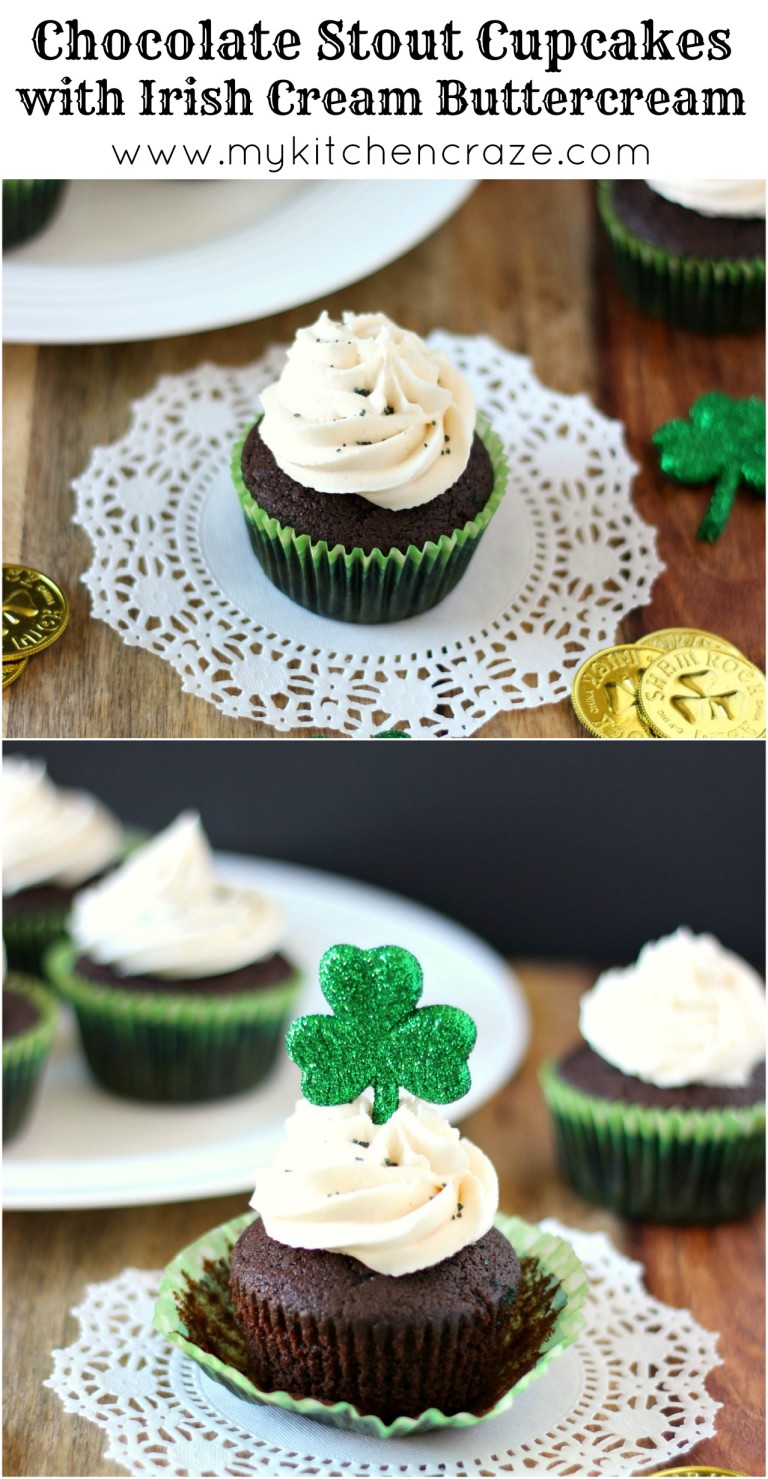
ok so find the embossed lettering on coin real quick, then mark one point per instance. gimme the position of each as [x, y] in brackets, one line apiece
[670, 638]
[35, 611]
[13, 670]
[605, 692]
[703, 693]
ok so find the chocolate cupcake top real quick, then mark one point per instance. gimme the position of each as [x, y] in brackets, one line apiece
[743, 198]
[687, 1012]
[378, 1175]
[367, 408]
[52, 835]
[166, 914]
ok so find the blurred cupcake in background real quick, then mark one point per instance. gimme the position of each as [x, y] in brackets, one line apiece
[689, 251]
[28, 206]
[29, 1023]
[178, 980]
[659, 1113]
[54, 841]
[368, 481]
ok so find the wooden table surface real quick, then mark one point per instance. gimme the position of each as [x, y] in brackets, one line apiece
[719, 1273]
[523, 261]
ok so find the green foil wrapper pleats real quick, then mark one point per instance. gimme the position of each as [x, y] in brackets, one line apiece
[707, 294]
[174, 1047]
[201, 1272]
[659, 1165]
[29, 933]
[349, 585]
[28, 205]
[25, 1053]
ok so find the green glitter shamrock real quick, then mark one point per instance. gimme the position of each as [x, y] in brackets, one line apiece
[723, 441]
[378, 1037]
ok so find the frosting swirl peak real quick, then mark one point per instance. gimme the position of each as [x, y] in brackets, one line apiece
[365, 407]
[399, 1197]
[164, 912]
[50, 834]
[687, 1012]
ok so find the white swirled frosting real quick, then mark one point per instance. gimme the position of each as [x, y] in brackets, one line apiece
[365, 407]
[687, 1012]
[51, 835]
[399, 1196]
[714, 197]
[164, 913]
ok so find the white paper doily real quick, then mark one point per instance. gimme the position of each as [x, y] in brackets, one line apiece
[630, 1395]
[564, 559]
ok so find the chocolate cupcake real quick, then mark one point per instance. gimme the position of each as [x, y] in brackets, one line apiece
[690, 251]
[28, 206]
[369, 480]
[178, 980]
[376, 1289]
[29, 1023]
[660, 1112]
[54, 842]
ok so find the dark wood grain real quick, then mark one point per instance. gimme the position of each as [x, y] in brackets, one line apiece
[719, 1273]
[522, 261]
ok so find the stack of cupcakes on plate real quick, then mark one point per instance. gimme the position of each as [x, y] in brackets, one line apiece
[368, 481]
[376, 1288]
[54, 841]
[178, 980]
[660, 1112]
[689, 251]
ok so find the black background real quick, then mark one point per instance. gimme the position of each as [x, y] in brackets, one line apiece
[553, 849]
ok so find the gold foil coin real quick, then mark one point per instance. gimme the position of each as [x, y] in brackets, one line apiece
[670, 638]
[13, 670]
[35, 612]
[605, 692]
[703, 693]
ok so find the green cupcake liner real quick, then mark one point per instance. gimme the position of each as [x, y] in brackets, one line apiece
[28, 205]
[173, 1048]
[382, 586]
[29, 934]
[659, 1165]
[24, 1055]
[711, 296]
[203, 1269]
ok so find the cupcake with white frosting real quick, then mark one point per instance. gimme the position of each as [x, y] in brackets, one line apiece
[690, 251]
[178, 979]
[369, 479]
[55, 840]
[659, 1112]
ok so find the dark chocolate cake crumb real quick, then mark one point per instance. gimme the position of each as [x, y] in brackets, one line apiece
[586, 1070]
[19, 1013]
[271, 971]
[682, 231]
[354, 522]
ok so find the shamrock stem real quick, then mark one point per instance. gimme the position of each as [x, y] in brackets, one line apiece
[386, 1098]
[721, 503]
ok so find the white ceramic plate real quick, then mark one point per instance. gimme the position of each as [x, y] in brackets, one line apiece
[126, 260]
[85, 1148]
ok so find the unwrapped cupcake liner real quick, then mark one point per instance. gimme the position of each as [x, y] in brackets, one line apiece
[349, 585]
[24, 1055]
[660, 1165]
[29, 933]
[554, 1273]
[172, 1047]
[28, 205]
[707, 294]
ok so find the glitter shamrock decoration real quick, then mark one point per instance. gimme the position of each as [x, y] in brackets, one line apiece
[378, 1037]
[722, 441]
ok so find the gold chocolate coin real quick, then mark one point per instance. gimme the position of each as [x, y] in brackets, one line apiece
[670, 638]
[703, 693]
[35, 612]
[605, 691]
[13, 670]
